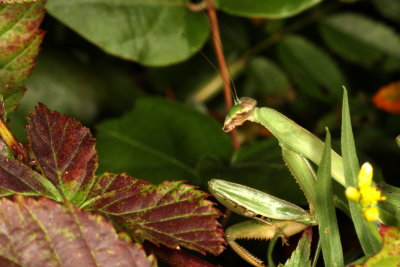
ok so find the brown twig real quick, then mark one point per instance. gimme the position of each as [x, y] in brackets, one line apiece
[224, 71]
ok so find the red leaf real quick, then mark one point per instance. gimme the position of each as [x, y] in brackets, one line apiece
[387, 98]
[389, 254]
[20, 38]
[16, 177]
[44, 233]
[65, 151]
[175, 257]
[172, 213]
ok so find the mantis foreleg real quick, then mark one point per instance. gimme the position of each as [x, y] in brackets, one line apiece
[256, 230]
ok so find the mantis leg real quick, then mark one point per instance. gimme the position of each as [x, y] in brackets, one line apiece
[256, 230]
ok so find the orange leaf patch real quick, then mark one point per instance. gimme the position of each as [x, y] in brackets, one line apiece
[388, 98]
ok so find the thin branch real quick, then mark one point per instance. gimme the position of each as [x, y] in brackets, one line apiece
[224, 71]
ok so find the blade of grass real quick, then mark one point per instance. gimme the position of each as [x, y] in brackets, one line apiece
[367, 232]
[325, 210]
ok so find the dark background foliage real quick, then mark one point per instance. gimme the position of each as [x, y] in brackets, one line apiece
[153, 117]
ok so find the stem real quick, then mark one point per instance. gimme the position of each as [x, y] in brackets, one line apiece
[224, 71]
[219, 53]
[317, 252]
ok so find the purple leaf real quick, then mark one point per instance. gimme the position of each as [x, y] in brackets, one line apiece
[17, 177]
[65, 151]
[172, 213]
[44, 233]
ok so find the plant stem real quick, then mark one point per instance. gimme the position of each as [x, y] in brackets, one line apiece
[317, 252]
[224, 71]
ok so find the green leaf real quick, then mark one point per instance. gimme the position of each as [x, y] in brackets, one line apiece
[64, 84]
[389, 254]
[44, 233]
[301, 256]
[360, 39]
[389, 210]
[160, 140]
[172, 213]
[313, 70]
[325, 210]
[20, 38]
[267, 77]
[65, 151]
[265, 8]
[388, 8]
[366, 231]
[148, 31]
[398, 140]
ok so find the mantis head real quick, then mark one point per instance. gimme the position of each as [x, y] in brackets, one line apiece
[239, 113]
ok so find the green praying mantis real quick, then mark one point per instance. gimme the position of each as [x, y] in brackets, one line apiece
[272, 215]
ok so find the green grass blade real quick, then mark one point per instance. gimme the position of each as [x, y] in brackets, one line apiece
[367, 232]
[389, 210]
[325, 211]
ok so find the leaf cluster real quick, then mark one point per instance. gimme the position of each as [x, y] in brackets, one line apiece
[104, 61]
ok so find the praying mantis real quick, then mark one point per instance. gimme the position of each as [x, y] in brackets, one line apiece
[272, 215]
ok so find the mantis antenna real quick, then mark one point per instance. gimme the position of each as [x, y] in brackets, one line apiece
[236, 99]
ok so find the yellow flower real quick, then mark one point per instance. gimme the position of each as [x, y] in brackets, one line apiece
[370, 195]
[371, 214]
[366, 195]
[352, 193]
[365, 175]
